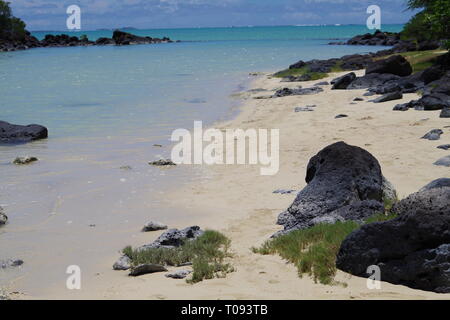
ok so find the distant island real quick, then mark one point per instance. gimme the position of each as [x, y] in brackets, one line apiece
[14, 36]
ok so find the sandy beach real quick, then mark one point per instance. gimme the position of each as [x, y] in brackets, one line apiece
[239, 202]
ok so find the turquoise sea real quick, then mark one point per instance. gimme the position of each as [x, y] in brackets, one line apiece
[105, 107]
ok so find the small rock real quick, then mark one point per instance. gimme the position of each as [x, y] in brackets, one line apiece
[434, 134]
[401, 107]
[162, 163]
[445, 113]
[438, 183]
[389, 97]
[125, 168]
[445, 161]
[11, 133]
[284, 191]
[11, 263]
[444, 147]
[154, 226]
[3, 217]
[185, 264]
[303, 109]
[323, 83]
[358, 99]
[3, 295]
[341, 116]
[369, 94]
[180, 274]
[174, 238]
[158, 145]
[124, 263]
[146, 269]
[24, 160]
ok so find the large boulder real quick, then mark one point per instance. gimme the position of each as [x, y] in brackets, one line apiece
[11, 133]
[397, 65]
[343, 183]
[412, 249]
[372, 80]
[344, 81]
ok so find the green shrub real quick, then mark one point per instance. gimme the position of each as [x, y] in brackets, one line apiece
[10, 27]
[207, 253]
[313, 251]
[432, 23]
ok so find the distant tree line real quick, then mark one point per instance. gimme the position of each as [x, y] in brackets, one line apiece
[432, 23]
[11, 28]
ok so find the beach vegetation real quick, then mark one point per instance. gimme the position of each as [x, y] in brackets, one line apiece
[432, 23]
[420, 60]
[305, 71]
[209, 255]
[313, 251]
[11, 28]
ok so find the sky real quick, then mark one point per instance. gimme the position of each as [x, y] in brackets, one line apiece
[96, 14]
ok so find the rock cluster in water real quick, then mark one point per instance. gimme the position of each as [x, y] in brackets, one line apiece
[119, 38]
[393, 39]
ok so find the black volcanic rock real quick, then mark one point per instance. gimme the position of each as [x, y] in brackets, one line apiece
[343, 182]
[11, 133]
[372, 80]
[412, 249]
[344, 81]
[297, 92]
[397, 65]
[3, 217]
[297, 65]
[124, 38]
[389, 97]
[434, 134]
[175, 238]
[64, 40]
[438, 183]
[445, 113]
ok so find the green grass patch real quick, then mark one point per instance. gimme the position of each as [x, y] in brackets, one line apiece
[208, 254]
[313, 251]
[420, 60]
[305, 71]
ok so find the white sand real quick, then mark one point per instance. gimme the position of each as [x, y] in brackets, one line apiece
[238, 201]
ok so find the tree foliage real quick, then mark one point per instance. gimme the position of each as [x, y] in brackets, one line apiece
[432, 23]
[10, 27]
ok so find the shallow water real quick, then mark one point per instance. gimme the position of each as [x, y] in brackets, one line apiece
[105, 107]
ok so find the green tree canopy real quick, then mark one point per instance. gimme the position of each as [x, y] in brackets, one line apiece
[432, 23]
[10, 27]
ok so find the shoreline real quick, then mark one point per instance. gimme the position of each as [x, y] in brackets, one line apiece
[225, 196]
